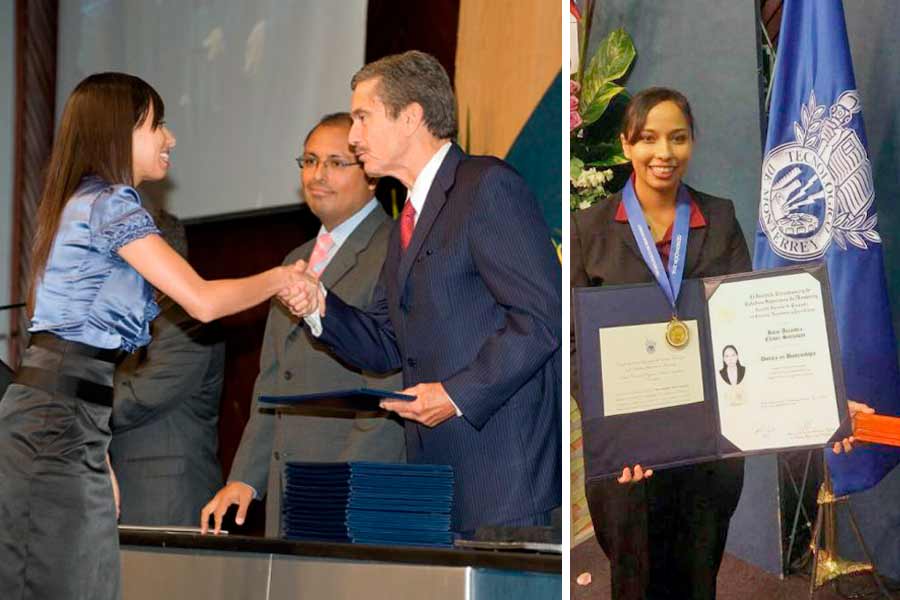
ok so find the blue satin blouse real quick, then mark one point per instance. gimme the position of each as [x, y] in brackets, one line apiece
[88, 293]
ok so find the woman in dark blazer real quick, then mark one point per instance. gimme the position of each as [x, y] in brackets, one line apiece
[665, 534]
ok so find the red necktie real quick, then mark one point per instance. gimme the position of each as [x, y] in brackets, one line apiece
[407, 223]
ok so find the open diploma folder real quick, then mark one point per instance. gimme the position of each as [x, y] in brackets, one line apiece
[358, 400]
[646, 402]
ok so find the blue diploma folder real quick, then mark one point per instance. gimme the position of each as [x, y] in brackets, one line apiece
[676, 435]
[355, 400]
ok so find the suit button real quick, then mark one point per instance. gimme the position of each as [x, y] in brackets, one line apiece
[411, 363]
[288, 375]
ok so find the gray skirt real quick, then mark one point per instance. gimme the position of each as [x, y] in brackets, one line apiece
[58, 533]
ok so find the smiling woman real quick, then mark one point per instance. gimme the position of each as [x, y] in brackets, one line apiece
[664, 532]
[151, 146]
[96, 254]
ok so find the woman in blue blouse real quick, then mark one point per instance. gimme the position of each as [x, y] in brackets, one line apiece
[97, 256]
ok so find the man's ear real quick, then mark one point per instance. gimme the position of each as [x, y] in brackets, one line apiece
[412, 117]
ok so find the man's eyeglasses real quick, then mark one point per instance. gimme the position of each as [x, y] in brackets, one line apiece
[330, 164]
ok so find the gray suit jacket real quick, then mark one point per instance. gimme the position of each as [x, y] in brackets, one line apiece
[165, 422]
[293, 363]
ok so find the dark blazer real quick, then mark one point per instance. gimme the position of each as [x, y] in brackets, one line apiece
[636, 524]
[473, 303]
[604, 251]
[741, 369]
[291, 363]
[165, 422]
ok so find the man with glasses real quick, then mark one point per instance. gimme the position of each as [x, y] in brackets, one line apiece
[346, 256]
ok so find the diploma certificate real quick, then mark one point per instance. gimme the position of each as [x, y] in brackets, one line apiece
[646, 373]
[777, 390]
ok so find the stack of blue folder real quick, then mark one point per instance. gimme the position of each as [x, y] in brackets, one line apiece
[368, 503]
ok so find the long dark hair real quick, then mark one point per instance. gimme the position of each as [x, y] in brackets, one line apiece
[94, 138]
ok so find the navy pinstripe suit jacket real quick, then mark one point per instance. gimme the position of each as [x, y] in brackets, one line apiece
[474, 303]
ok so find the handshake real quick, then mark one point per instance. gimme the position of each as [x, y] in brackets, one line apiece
[301, 292]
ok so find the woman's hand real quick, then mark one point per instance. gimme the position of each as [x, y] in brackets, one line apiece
[846, 444]
[635, 475]
[115, 487]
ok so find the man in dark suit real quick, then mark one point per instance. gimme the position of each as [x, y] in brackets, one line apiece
[355, 230]
[468, 302]
[166, 414]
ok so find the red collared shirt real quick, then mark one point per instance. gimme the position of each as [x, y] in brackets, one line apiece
[664, 245]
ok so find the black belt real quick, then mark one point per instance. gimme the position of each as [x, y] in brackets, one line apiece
[56, 383]
[57, 344]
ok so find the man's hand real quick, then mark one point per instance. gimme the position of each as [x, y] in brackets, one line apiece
[431, 407]
[638, 474]
[846, 444]
[303, 296]
[235, 492]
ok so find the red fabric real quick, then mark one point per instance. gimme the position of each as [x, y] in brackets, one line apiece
[573, 8]
[664, 246]
[407, 224]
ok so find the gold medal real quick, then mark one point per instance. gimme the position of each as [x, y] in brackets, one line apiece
[677, 333]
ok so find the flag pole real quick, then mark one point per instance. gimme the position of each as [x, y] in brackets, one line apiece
[827, 565]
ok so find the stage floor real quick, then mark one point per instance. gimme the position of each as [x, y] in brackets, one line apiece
[738, 580]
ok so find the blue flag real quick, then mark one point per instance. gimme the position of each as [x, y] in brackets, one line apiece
[817, 202]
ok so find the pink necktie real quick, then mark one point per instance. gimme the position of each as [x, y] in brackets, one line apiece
[320, 253]
[407, 223]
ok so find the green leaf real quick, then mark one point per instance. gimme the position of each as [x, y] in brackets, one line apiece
[596, 101]
[612, 58]
[611, 160]
[576, 166]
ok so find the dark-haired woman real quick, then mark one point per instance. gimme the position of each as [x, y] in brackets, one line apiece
[664, 535]
[96, 255]
[732, 371]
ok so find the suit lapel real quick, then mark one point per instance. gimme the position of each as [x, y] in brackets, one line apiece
[695, 239]
[434, 202]
[347, 256]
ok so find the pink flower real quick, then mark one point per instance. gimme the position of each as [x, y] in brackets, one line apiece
[574, 120]
[574, 116]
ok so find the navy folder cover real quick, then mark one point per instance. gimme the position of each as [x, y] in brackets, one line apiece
[672, 436]
[355, 400]
[373, 503]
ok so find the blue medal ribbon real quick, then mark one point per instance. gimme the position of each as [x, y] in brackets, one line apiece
[670, 282]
